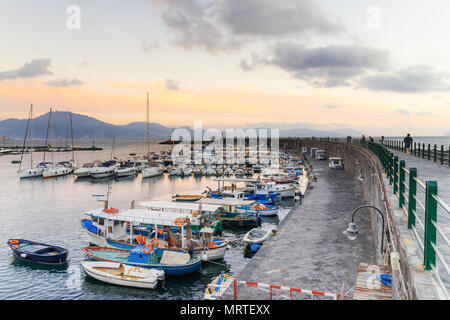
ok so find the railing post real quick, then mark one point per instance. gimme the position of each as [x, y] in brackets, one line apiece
[423, 150]
[418, 154]
[430, 229]
[414, 148]
[435, 153]
[429, 151]
[442, 154]
[391, 168]
[395, 174]
[401, 184]
[411, 197]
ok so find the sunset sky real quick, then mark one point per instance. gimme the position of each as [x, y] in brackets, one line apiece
[380, 67]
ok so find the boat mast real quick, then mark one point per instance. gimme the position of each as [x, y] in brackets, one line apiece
[148, 131]
[51, 133]
[71, 133]
[31, 136]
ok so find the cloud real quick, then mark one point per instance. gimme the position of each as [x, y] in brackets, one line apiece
[403, 112]
[322, 66]
[409, 80]
[64, 83]
[149, 46]
[268, 18]
[172, 84]
[32, 69]
[424, 113]
[224, 25]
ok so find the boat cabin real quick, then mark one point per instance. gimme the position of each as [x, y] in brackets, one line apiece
[321, 155]
[336, 163]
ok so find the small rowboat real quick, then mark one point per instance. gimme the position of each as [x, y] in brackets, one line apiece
[38, 252]
[187, 197]
[257, 235]
[123, 275]
[218, 286]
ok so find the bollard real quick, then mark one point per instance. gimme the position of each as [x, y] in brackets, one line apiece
[429, 151]
[423, 150]
[430, 229]
[442, 154]
[411, 197]
[435, 153]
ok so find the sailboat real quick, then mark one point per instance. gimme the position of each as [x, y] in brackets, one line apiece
[107, 168]
[31, 172]
[61, 168]
[150, 171]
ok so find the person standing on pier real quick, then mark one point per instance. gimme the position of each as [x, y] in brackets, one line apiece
[408, 142]
[382, 140]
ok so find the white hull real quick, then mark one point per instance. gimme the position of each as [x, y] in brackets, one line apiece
[259, 238]
[130, 276]
[102, 174]
[30, 173]
[146, 173]
[56, 172]
[82, 172]
[216, 253]
[126, 172]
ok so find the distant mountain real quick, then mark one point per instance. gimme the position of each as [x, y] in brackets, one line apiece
[83, 127]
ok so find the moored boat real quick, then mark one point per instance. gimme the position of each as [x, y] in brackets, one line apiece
[187, 197]
[123, 275]
[218, 286]
[172, 262]
[257, 235]
[33, 251]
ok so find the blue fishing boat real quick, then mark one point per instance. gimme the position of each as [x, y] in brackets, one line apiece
[38, 252]
[173, 262]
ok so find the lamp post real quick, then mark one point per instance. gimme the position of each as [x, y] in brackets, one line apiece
[352, 232]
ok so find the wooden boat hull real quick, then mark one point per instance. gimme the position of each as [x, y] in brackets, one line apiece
[215, 291]
[93, 269]
[36, 252]
[173, 270]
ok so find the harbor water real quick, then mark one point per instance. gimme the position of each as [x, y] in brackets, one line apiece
[49, 211]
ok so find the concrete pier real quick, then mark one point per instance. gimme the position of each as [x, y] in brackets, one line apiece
[309, 250]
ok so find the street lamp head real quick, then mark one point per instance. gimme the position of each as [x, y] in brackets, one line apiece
[351, 232]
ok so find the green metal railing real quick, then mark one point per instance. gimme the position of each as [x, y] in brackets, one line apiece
[405, 185]
[435, 153]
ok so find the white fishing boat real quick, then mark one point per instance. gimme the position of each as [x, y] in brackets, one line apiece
[187, 171]
[198, 171]
[151, 172]
[218, 286]
[123, 275]
[257, 235]
[126, 169]
[174, 171]
[103, 170]
[85, 170]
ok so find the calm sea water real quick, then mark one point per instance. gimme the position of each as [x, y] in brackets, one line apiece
[50, 211]
[445, 141]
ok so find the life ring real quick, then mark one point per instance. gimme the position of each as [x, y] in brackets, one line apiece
[179, 222]
[147, 246]
[111, 210]
[154, 242]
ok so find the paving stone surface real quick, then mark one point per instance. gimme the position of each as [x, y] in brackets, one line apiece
[309, 250]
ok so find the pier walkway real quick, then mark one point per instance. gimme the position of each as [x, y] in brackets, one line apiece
[309, 250]
[429, 170]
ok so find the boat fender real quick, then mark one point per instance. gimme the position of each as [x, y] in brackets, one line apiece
[255, 247]
[150, 248]
[204, 257]
[23, 255]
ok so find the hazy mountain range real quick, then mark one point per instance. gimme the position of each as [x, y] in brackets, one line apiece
[85, 127]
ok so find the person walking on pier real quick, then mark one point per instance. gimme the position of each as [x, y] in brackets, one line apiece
[408, 142]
